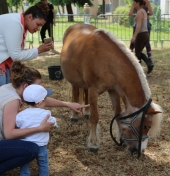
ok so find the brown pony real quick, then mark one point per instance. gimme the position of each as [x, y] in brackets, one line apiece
[95, 60]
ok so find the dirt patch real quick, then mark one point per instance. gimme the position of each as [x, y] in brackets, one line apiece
[68, 153]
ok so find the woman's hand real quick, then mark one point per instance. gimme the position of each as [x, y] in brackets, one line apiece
[133, 39]
[46, 126]
[45, 47]
[77, 107]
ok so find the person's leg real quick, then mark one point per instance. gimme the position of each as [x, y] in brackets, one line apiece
[148, 45]
[148, 50]
[15, 153]
[42, 32]
[51, 34]
[51, 31]
[42, 161]
[2, 77]
[141, 40]
[24, 170]
[132, 45]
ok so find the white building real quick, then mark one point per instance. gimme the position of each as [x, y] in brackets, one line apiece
[165, 6]
[111, 5]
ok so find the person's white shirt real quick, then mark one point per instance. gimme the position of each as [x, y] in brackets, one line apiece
[11, 36]
[32, 117]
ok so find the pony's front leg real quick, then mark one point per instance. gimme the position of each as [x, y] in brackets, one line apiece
[94, 137]
[115, 99]
[75, 98]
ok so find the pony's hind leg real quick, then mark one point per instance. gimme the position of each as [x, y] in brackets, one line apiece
[86, 111]
[94, 137]
[75, 98]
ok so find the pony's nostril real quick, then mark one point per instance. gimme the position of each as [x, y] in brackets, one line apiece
[133, 149]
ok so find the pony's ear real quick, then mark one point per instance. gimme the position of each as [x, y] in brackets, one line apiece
[152, 111]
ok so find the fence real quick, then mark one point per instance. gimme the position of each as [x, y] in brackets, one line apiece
[119, 25]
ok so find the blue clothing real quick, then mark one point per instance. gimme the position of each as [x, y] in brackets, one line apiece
[15, 153]
[42, 160]
[5, 77]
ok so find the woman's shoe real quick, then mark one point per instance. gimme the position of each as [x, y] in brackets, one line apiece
[150, 66]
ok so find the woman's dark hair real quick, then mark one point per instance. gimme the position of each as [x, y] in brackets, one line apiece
[39, 10]
[141, 2]
[21, 74]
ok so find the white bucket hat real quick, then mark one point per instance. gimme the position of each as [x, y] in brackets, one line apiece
[34, 93]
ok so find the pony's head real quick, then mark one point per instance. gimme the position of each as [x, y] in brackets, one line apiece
[135, 129]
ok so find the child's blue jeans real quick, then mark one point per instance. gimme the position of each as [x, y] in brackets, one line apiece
[42, 161]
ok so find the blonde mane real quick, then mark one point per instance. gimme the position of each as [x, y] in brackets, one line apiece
[156, 121]
[132, 58]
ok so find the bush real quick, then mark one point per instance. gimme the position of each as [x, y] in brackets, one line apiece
[122, 17]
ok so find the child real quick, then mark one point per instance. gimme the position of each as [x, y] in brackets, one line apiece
[34, 96]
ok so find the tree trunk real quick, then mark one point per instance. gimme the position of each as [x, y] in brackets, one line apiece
[70, 13]
[3, 7]
[103, 6]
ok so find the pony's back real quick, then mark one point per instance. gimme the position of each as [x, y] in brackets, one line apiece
[92, 57]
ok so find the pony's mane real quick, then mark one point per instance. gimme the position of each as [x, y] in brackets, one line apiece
[133, 60]
[156, 121]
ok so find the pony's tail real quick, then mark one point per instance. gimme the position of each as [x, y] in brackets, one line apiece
[157, 120]
[81, 94]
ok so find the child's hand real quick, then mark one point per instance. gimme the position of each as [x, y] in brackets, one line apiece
[45, 126]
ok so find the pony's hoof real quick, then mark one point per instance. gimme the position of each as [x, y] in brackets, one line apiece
[73, 120]
[86, 116]
[94, 150]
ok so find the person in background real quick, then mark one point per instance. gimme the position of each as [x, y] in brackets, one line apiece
[13, 30]
[14, 152]
[49, 23]
[148, 9]
[34, 95]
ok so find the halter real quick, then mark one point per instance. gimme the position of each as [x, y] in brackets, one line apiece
[135, 115]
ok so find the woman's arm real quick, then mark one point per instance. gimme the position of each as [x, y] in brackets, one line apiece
[139, 18]
[9, 121]
[148, 5]
[51, 102]
[131, 12]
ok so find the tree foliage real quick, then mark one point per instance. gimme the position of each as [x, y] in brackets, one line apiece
[128, 2]
[33, 1]
[3, 7]
[79, 3]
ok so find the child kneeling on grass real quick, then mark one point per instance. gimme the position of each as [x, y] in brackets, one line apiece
[34, 96]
